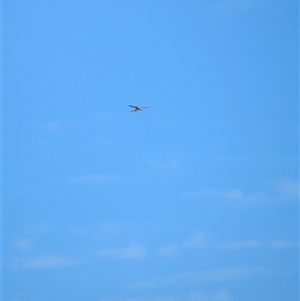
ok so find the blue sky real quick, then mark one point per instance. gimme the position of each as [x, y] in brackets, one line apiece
[195, 198]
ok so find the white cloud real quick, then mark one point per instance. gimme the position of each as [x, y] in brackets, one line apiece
[193, 296]
[42, 227]
[234, 158]
[251, 244]
[216, 296]
[233, 194]
[165, 165]
[49, 261]
[241, 245]
[53, 126]
[221, 274]
[288, 189]
[116, 228]
[237, 196]
[140, 285]
[198, 240]
[133, 251]
[168, 249]
[283, 244]
[23, 244]
[94, 179]
[106, 230]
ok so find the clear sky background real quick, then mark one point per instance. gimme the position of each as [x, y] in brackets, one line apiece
[193, 199]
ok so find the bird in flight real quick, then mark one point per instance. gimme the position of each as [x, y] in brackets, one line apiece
[137, 108]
